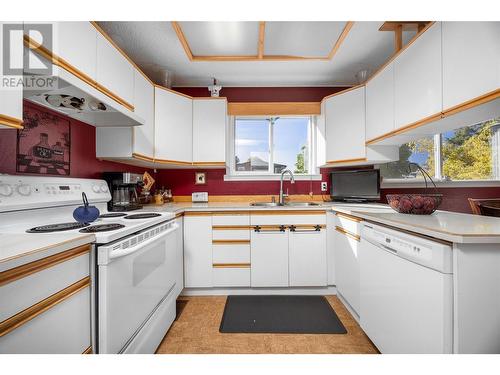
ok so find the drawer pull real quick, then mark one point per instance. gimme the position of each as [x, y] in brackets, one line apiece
[348, 217]
[348, 234]
[231, 265]
[313, 228]
[230, 242]
[31, 312]
[270, 228]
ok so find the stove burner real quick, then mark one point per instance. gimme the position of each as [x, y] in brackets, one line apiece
[113, 214]
[101, 228]
[142, 216]
[56, 227]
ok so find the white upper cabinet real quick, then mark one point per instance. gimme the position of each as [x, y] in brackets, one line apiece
[380, 103]
[11, 98]
[418, 79]
[144, 99]
[76, 43]
[173, 126]
[471, 60]
[114, 72]
[209, 130]
[345, 125]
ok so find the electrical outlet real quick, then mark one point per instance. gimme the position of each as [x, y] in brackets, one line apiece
[324, 186]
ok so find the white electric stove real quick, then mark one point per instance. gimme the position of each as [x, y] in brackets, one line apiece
[133, 256]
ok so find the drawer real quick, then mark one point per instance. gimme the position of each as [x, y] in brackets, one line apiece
[233, 234]
[231, 253]
[46, 279]
[310, 217]
[231, 277]
[229, 218]
[349, 223]
[61, 329]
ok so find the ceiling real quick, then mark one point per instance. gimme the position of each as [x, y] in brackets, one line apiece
[254, 53]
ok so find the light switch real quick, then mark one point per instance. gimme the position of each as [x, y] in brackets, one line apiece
[324, 186]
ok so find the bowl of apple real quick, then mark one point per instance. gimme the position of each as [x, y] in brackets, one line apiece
[419, 203]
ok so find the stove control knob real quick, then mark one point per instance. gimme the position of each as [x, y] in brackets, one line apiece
[6, 190]
[96, 189]
[104, 188]
[24, 189]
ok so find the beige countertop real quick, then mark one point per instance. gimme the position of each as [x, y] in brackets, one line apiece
[443, 225]
[19, 248]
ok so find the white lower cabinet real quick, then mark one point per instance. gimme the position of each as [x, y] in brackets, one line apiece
[307, 257]
[46, 307]
[346, 247]
[197, 250]
[269, 258]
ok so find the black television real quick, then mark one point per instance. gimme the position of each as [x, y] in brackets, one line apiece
[361, 185]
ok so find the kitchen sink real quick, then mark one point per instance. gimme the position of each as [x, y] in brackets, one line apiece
[265, 204]
[290, 204]
[301, 204]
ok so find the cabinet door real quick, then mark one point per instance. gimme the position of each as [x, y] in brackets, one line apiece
[144, 107]
[76, 43]
[471, 60]
[173, 126]
[347, 268]
[345, 125]
[418, 79]
[179, 253]
[198, 251]
[380, 103]
[11, 96]
[269, 258]
[114, 71]
[307, 257]
[209, 130]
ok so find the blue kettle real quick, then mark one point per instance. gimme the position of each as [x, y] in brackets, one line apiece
[86, 213]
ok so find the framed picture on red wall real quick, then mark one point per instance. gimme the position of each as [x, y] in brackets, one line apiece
[43, 146]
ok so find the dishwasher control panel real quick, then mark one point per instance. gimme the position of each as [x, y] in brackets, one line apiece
[429, 253]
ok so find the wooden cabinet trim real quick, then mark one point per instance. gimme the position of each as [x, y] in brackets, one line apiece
[59, 61]
[231, 265]
[288, 212]
[346, 161]
[11, 122]
[348, 234]
[348, 217]
[88, 350]
[231, 227]
[33, 311]
[24, 270]
[274, 108]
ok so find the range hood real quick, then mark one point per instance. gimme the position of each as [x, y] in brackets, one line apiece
[75, 98]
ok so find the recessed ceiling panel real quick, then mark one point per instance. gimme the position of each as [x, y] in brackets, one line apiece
[222, 38]
[312, 39]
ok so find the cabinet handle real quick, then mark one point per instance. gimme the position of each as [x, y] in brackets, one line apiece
[270, 228]
[315, 228]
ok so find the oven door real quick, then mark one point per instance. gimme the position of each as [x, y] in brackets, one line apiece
[134, 276]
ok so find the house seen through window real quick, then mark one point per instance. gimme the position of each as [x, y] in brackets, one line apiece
[268, 145]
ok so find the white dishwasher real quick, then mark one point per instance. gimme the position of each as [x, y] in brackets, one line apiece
[406, 291]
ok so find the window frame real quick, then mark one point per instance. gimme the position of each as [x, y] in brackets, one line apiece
[438, 177]
[233, 175]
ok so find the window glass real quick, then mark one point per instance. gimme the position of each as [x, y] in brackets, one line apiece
[420, 152]
[251, 145]
[471, 152]
[291, 145]
[272, 144]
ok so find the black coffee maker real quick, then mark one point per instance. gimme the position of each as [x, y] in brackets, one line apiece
[123, 187]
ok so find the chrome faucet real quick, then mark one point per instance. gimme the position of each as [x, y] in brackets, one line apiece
[284, 195]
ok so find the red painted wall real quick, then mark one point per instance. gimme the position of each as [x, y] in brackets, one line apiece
[266, 94]
[84, 164]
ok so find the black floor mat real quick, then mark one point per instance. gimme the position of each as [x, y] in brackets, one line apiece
[279, 314]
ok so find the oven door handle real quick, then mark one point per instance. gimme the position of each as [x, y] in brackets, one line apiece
[130, 250]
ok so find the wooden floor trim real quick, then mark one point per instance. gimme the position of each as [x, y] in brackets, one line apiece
[27, 269]
[17, 320]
